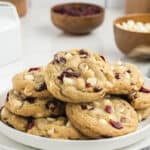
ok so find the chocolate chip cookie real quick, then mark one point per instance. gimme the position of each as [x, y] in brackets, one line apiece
[33, 107]
[76, 76]
[58, 127]
[31, 83]
[125, 78]
[109, 117]
[141, 99]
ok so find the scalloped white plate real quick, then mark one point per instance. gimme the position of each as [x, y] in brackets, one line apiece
[47, 144]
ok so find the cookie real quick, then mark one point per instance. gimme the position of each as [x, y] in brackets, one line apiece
[33, 107]
[58, 127]
[110, 117]
[125, 78]
[141, 99]
[143, 114]
[12, 120]
[76, 76]
[31, 83]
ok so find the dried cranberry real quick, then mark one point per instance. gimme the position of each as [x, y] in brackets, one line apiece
[42, 87]
[103, 57]
[83, 106]
[51, 105]
[34, 69]
[97, 89]
[82, 52]
[88, 85]
[59, 60]
[116, 124]
[78, 10]
[30, 99]
[108, 109]
[129, 71]
[68, 73]
[144, 90]
[7, 97]
[117, 75]
[30, 123]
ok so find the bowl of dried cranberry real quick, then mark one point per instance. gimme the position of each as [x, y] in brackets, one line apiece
[77, 18]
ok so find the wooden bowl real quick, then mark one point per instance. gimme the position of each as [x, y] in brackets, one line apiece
[134, 44]
[77, 24]
[21, 6]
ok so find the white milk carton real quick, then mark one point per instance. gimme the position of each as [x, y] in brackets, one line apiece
[10, 39]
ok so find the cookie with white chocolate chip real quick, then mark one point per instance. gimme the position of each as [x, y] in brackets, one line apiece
[143, 114]
[141, 99]
[58, 128]
[31, 83]
[48, 127]
[109, 118]
[124, 78]
[75, 76]
[33, 107]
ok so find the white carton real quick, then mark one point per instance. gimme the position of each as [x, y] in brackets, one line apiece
[10, 39]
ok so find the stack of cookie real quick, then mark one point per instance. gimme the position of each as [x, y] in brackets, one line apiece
[79, 95]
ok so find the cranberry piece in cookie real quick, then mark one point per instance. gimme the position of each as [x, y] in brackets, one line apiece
[144, 90]
[116, 124]
[59, 59]
[30, 123]
[108, 109]
[34, 69]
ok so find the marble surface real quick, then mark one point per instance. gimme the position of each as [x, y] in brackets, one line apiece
[41, 38]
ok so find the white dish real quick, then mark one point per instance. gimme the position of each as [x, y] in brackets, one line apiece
[46, 144]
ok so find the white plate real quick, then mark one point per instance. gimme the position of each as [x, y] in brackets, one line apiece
[46, 144]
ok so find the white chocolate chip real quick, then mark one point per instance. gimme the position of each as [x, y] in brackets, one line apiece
[51, 131]
[16, 92]
[112, 117]
[69, 125]
[68, 55]
[83, 66]
[107, 102]
[68, 81]
[103, 121]
[109, 84]
[127, 75]
[17, 103]
[29, 77]
[121, 109]
[51, 119]
[92, 81]
[97, 111]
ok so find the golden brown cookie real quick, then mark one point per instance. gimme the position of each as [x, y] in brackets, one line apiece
[33, 107]
[76, 76]
[12, 120]
[141, 99]
[124, 78]
[143, 113]
[59, 127]
[109, 117]
[31, 83]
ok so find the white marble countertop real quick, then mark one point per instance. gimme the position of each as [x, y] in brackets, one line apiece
[41, 37]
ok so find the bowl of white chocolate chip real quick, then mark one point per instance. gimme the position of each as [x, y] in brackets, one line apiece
[132, 35]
